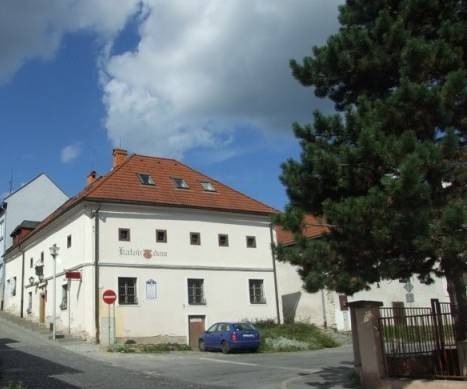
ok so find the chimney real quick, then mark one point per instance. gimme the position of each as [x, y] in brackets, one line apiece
[118, 157]
[92, 177]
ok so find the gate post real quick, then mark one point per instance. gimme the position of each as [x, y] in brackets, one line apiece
[367, 342]
[462, 356]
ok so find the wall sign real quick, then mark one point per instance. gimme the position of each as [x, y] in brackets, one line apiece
[145, 253]
[151, 289]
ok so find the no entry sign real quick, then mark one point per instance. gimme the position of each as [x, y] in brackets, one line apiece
[109, 296]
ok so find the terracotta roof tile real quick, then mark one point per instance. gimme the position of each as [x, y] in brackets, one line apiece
[123, 185]
[310, 229]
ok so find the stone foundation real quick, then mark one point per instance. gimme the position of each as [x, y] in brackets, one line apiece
[155, 339]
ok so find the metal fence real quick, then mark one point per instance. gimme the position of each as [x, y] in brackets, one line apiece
[420, 342]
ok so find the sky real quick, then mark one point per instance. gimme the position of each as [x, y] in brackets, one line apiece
[203, 81]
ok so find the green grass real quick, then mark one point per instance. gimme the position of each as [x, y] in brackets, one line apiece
[130, 347]
[292, 337]
[414, 332]
[13, 385]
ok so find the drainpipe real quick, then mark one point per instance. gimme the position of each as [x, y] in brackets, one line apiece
[96, 273]
[275, 274]
[22, 283]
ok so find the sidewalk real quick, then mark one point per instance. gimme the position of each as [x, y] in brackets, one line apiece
[65, 340]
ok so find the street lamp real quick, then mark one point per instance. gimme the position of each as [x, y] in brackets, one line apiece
[54, 253]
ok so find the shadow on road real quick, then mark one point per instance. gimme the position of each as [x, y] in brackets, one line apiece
[335, 377]
[34, 372]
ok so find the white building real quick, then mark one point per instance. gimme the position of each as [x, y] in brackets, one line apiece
[330, 308]
[180, 250]
[32, 201]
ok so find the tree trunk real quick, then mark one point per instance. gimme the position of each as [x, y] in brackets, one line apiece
[457, 294]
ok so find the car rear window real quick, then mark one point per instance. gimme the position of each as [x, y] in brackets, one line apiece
[244, 327]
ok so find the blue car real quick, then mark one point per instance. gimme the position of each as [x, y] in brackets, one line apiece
[230, 336]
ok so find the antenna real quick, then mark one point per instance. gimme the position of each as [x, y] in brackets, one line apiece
[10, 182]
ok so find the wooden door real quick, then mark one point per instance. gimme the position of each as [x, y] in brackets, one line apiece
[42, 308]
[195, 329]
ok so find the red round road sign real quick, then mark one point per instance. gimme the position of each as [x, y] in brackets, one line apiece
[109, 296]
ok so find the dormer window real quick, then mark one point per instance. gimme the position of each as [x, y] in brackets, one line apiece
[146, 179]
[208, 187]
[180, 183]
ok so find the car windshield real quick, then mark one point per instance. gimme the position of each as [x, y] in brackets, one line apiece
[244, 327]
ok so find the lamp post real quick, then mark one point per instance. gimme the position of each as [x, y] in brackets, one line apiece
[54, 253]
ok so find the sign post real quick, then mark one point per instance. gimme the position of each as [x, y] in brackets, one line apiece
[109, 298]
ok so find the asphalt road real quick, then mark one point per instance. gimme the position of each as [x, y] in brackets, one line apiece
[39, 363]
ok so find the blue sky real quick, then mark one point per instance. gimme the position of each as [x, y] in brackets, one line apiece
[80, 83]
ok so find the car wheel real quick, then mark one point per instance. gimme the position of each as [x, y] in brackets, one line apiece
[201, 346]
[225, 347]
[254, 350]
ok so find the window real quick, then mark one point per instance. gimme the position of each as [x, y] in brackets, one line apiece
[195, 238]
[13, 286]
[68, 241]
[213, 328]
[223, 240]
[124, 234]
[146, 179]
[208, 187]
[42, 257]
[196, 292]
[256, 292]
[29, 310]
[127, 291]
[251, 242]
[161, 236]
[64, 303]
[180, 183]
[31, 263]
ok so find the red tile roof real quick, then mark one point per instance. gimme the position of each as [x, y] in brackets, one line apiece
[122, 185]
[311, 228]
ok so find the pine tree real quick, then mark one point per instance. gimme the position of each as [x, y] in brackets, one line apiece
[387, 172]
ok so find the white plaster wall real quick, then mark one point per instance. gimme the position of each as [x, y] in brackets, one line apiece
[34, 202]
[308, 306]
[178, 251]
[80, 257]
[226, 270]
[393, 291]
[12, 304]
[226, 293]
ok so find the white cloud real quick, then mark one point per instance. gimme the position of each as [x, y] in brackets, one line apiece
[202, 68]
[70, 152]
[34, 28]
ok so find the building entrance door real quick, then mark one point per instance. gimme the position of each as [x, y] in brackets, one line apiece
[195, 329]
[42, 300]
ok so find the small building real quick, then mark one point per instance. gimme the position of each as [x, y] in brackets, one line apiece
[180, 250]
[32, 201]
[328, 308]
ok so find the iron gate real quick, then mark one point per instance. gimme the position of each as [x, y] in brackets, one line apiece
[420, 342]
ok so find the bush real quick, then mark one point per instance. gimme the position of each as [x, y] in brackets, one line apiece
[163, 347]
[17, 385]
[292, 337]
[148, 348]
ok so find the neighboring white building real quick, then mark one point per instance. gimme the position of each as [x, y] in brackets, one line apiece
[181, 251]
[32, 201]
[330, 308]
